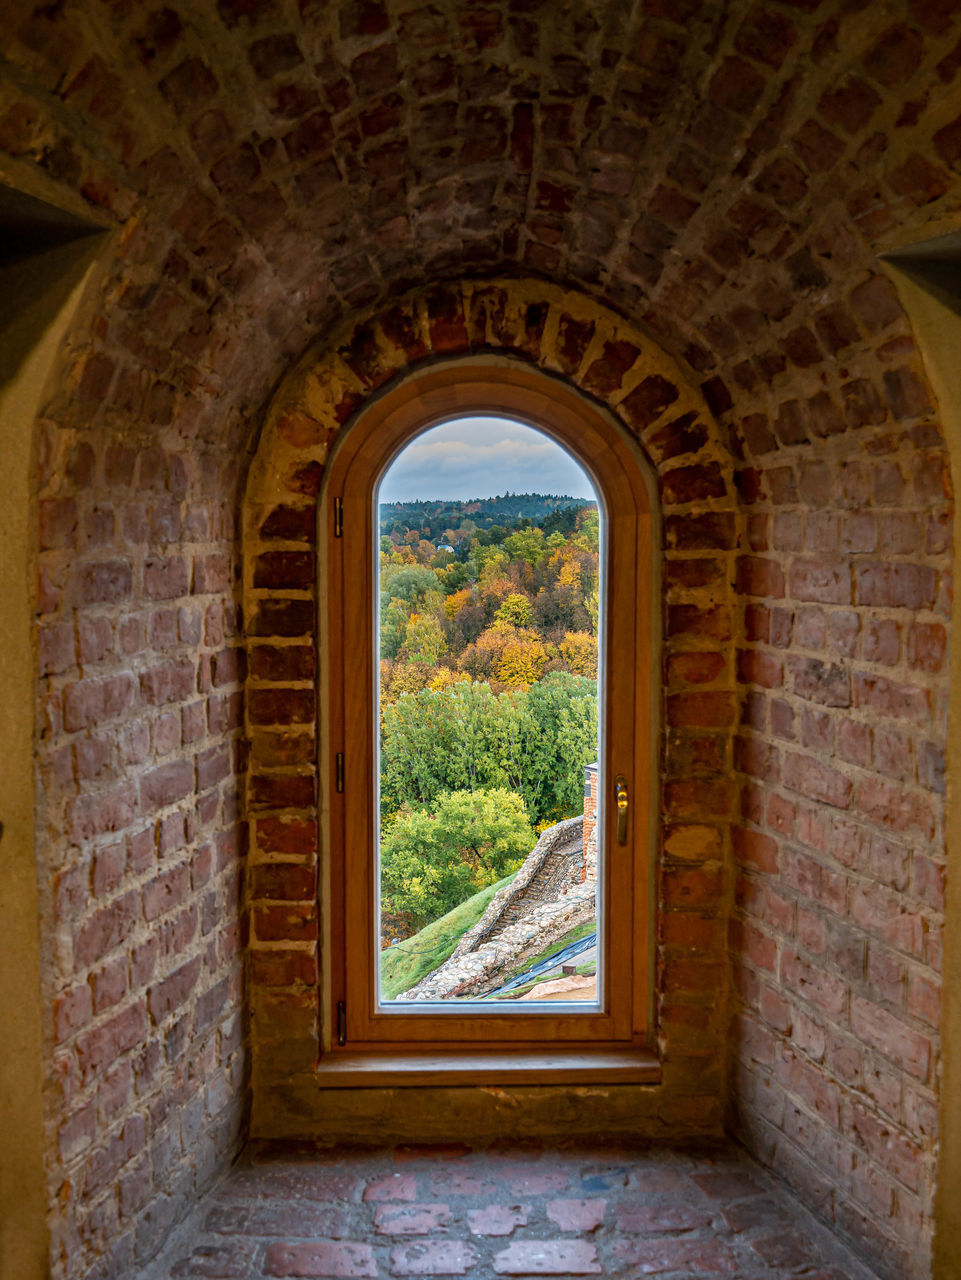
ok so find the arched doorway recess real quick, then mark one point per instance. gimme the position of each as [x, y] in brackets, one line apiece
[591, 353]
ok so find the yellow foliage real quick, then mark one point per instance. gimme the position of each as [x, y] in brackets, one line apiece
[522, 662]
[570, 574]
[454, 603]
[578, 652]
[446, 678]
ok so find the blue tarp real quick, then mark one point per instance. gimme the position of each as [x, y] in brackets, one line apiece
[552, 962]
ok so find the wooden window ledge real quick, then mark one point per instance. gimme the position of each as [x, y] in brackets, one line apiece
[396, 1069]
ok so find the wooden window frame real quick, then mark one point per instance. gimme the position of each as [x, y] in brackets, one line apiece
[488, 385]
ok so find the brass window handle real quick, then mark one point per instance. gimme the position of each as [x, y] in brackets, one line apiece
[622, 803]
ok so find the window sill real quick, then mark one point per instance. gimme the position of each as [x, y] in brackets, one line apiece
[395, 1069]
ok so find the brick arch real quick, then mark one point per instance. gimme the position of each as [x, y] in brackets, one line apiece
[613, 364]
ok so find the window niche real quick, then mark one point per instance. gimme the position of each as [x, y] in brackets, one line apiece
[559, 349]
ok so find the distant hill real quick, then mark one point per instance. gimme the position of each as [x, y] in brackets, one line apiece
[433, 518]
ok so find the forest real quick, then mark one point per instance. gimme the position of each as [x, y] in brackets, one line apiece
[456, 522]
[488, 691]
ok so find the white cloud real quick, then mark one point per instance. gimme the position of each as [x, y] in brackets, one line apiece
[479, 458]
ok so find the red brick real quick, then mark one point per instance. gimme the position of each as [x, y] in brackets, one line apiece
[695, 668]
[497, 1219]
[607, 372]
[710, 531]
[283, 618]
[894, 586]
[736, 86]
[166, 784]
[71, 1010]
[888, 698]
[167, 996]
[548, 1258]
[283, 968]
[99, 1048]
[828, 686]
[823, 989]
[104, 1164]
[320, 1258]
[169, 682]
[768, 37]
[576, 1215]
[924, 999]
[105, 929]
[166, 891]
[165, 579]
[686, 1257]
[287, 835]
[392, 1186]
[849, 106]
[91, 702]
[410, 1219]
[644, 1219]
[290, 524]
[701, 710]
[906, 394]
[690, 886]
[756, 667]
[828, 582]
[280, 706]
[908, 1049]
[436, 1258]
[817, 781]
[755, 849]
[759, 577]
[286, 923]
[213, 766]
[692, 484]
[212, 573]
[891, 805]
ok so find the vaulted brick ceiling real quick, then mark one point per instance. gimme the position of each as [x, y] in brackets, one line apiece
[722, 172]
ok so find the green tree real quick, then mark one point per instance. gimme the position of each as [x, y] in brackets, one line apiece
[534, 742]
[393, 627]
[526, 545]
[588, 529]
[431, 861]
[564, 710]
[516, 610]
[408, 582]
[424, 640]
[437, 740]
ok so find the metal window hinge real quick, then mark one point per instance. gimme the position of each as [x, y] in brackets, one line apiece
[338, 517]
[339, 771]
[341, 1022]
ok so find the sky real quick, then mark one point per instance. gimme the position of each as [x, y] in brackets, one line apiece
[482, 457]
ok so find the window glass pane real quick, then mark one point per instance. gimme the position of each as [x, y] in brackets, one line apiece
[488, 622]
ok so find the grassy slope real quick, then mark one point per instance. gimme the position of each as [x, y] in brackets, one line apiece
[403, 966]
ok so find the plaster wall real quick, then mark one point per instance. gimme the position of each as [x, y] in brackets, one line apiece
[42, 296]
[938, 333]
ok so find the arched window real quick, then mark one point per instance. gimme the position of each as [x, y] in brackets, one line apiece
[359, 1020]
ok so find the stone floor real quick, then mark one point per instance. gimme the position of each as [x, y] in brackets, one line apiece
[449, 1211]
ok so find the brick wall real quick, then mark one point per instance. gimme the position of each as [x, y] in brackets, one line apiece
[603, 356]
[140, 841]
[837, 930]
[725, 176]
[845, 599]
